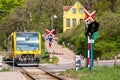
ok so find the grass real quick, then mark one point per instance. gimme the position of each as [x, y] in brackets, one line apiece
[5, 70]
[98, 73]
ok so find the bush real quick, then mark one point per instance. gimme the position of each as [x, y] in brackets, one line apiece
[0, 48]
[46, 59]
[55, 60]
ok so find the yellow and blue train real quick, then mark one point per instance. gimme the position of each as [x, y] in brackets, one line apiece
[25, 48]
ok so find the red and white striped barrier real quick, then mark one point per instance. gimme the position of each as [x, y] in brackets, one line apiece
[88, 52]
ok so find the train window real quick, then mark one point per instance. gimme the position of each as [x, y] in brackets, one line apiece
[27, 41]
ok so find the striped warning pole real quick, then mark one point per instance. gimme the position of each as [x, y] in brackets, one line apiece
[88, 51]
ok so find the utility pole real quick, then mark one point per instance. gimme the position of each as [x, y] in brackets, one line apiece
[53, 17]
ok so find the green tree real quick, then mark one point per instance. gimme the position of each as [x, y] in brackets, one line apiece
[7, 6]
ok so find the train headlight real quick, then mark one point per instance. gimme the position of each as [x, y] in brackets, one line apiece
[18, 55]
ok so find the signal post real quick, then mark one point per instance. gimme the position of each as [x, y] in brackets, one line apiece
[92, 27]
[50, 35]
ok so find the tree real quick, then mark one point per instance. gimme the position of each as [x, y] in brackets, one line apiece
[113, 5]
[7, 6]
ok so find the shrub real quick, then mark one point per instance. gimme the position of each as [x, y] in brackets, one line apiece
[55, 60]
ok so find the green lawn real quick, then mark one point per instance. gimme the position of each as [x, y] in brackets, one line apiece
[98, 73]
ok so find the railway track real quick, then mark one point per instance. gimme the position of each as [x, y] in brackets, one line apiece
[38, 74]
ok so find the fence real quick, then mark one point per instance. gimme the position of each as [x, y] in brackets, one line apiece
[99, 62]
[70, 46]
[112, 62]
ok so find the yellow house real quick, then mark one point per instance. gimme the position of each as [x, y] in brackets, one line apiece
[72, 16]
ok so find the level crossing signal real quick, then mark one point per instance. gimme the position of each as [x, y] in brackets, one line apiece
[92, 27]
[50, 35]
[50, 32]
[89, 16]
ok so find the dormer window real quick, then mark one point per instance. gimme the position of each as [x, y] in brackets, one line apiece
[81, 10]
[74, 10]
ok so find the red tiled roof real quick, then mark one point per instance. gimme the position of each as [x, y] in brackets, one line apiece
[66, 8]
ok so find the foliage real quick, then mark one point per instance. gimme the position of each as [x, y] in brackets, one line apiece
[75, 37]
[5, 70]
[105, 6]
[46, 59]
[7, 6]
[55, 60]
[0, 48]
[98, 73]
[108, 42]
[105, 49]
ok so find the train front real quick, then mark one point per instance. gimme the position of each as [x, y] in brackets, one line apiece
[27, 48]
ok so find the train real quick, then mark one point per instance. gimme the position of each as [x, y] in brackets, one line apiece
[25, 48]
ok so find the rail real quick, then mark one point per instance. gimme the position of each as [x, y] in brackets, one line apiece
[37, 74]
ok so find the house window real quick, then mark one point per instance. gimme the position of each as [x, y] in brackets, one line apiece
[80, 22]
[68, 22]
[80, 10]
[74, 22]
[74, 10]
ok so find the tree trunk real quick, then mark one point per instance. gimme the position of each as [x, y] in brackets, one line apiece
[113, 5]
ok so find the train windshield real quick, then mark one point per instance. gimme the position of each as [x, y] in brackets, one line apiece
[27, 41]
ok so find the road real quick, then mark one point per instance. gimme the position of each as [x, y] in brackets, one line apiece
[54, 68]
[65, 55]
